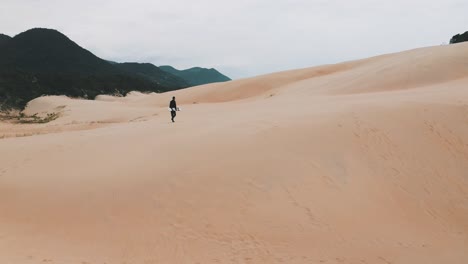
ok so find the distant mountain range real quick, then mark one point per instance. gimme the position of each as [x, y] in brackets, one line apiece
[45, 62]
[197, 76]
[152, 73]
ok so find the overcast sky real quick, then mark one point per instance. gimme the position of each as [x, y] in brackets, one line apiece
[241, 38]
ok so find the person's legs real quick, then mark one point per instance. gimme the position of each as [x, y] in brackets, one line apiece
[173, 114]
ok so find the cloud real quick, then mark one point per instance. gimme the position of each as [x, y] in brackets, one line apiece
[241, 38]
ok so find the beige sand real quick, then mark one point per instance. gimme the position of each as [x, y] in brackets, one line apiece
[360, 162]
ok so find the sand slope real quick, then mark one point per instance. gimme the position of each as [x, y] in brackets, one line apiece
[360, 162]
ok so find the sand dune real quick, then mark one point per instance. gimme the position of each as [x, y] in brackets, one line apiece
[359, 162]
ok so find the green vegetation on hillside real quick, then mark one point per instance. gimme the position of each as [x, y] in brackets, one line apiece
[45, 62]
[459, 38]
[197, 76]
[151, 72]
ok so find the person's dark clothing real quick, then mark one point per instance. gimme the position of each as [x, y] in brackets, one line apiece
[172, 104]
[173, 107]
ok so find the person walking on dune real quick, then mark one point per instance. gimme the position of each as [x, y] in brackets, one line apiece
[173, 107]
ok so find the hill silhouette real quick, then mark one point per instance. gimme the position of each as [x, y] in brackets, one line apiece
[46, 62]
[4, 39]
[46, 51]
[152, 73]
[197, 75]
[459, 38]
